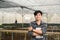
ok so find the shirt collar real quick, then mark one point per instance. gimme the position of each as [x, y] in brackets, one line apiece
[36, 23]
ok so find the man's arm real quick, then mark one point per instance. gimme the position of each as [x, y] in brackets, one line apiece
[37, 31]
[31, 32]
[42, 31]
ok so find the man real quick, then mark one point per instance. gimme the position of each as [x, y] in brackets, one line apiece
[37, 28]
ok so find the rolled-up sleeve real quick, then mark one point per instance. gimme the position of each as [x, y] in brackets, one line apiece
[30, 33]
[44, 29]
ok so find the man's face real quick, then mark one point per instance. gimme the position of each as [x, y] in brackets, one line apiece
[38, 17]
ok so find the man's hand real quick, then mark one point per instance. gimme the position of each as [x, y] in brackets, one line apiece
[30, 28]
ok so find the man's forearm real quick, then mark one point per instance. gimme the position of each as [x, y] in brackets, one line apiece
[37, 31]
[35, 34]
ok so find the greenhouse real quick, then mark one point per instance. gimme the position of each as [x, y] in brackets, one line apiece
[15, 16]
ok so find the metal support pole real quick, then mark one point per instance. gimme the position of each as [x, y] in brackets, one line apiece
[12, 36]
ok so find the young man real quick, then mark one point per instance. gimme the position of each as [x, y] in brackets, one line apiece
[37, 28]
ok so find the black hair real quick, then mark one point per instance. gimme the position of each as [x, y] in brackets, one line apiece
[38, 11]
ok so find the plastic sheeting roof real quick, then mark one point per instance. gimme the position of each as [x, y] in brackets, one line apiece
[36, 2]
[6, 4]
[49, 6]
